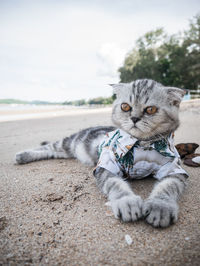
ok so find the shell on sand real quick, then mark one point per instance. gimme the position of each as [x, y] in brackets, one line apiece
[196, 160]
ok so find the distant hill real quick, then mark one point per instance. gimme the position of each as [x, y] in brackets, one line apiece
[12, 101]
[16, 101]
[94, 101]
[41, 102]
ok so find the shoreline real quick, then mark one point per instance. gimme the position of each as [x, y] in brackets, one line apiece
[47, 111]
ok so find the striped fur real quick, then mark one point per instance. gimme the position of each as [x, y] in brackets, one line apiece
[82, 145]
[161, 208]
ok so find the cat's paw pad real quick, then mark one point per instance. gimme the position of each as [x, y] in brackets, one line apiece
[160, 212]
[127, 208]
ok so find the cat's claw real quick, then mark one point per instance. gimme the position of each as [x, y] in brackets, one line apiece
[127, 208]
[160, 212]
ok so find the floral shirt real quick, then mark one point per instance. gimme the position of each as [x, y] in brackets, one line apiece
[123, 155]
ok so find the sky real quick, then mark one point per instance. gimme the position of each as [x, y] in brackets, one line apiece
[62, 50]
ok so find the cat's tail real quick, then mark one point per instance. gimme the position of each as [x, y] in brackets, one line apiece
[47, 150]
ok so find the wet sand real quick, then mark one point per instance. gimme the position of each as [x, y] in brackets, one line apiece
[51, 212]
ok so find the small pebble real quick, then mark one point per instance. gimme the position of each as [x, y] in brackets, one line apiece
[10, 255]
[109, 213]
[128, 239]
[108, 203]
[187, 238]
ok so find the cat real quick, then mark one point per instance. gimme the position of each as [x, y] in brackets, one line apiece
[145, 114]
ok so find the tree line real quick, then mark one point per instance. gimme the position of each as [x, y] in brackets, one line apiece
[94, 101]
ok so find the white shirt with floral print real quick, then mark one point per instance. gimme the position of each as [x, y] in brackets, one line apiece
[122, 155]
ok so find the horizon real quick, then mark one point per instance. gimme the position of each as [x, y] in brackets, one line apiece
[33, 101]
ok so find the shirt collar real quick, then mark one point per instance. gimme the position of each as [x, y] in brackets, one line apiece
[122, 142]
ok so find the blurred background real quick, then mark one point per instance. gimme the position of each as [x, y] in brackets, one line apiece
[68, 51]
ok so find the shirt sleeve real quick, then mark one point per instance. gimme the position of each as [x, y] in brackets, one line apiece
[170, 168]
[108, 161]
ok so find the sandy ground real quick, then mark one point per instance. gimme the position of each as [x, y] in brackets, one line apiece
[34, 112]
[51, 212]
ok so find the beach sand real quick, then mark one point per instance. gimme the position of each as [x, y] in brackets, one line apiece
[24, 112]
[51, 212]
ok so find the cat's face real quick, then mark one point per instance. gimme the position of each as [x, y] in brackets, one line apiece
[146, 109]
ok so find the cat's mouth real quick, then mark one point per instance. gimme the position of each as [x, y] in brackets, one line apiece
[134, 126]
[138, 133]
[143, 136]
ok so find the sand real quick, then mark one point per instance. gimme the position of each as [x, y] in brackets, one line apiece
[36, 112]
[51, 212]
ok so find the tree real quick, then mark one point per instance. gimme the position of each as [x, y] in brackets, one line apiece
[170, 60]
[76, 103]
[192, 44]
[101, 100]
[141, 62]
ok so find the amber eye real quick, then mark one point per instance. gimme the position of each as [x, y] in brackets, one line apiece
[125, 107]
[151, 110]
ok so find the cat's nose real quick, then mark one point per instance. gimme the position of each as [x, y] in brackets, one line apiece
[135, 119]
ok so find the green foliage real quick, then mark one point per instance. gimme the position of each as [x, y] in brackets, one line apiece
[36, 102]
[171, 60]
[67, 103]
[101, 100]
[76, 103]
[98, 100]
[94, 101]
[12, 101]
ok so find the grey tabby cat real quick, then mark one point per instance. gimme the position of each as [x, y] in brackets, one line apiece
[145, 113]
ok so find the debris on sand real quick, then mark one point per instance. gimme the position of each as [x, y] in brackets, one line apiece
[108, 203]
[128, 239]
[192, 160]
[196, 160]
[3, 223]
[109, 213]
[53, 197]
[186, 148]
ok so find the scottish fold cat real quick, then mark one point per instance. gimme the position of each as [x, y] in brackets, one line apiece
[145, 114]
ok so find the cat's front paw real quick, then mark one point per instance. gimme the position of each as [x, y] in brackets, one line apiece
[160, 212]
[127, 208]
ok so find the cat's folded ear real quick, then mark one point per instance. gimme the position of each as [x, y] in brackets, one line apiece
[117, 88]
[175, 95]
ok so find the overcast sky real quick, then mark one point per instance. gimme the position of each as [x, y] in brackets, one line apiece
[60, 50]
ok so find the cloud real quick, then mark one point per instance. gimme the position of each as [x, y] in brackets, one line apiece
[111, 57]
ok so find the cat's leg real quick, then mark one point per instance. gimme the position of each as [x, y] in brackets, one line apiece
[161, 208]
[46, 151]
[125, 204]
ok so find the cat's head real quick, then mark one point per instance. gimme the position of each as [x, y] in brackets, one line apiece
[146, 109]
